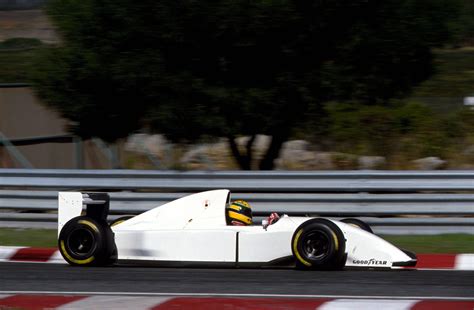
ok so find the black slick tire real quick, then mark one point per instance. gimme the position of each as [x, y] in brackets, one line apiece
[319, 244]
[358, 223]
[83, 241]
[120, 220]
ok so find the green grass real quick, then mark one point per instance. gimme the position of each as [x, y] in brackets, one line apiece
[28, 237]
[449, 243]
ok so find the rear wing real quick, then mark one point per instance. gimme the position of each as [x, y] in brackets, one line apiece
[71, 204]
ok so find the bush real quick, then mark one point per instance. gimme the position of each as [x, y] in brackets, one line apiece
[19, 43]
[361, 129]
[406, 130]
[17, 57]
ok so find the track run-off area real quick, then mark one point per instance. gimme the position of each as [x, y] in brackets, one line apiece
[59, 285]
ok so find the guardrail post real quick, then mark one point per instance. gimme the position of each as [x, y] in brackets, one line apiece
[14, 152]
[79, 152]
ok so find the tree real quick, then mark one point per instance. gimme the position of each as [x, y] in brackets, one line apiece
[226, 68]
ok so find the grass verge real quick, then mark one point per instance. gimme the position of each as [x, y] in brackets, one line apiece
[448, 243]
[28, 237]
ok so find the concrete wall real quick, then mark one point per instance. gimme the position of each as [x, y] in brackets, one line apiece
[22, 116]
[27, 24]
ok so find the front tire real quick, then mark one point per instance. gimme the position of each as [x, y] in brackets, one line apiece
[319, 244]
[358, 223]
[84, 241]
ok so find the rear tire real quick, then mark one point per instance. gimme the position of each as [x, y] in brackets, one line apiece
[319, 244]
[358, 223]
[121, 220]
[84, 241]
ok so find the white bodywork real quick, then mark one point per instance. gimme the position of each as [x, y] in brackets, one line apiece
[193, 229]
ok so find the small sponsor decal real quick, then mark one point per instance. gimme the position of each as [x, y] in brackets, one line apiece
[369, 262]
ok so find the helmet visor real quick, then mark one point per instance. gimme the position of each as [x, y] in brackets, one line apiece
[246, 212]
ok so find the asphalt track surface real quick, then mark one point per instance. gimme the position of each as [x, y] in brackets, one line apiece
[23, 277]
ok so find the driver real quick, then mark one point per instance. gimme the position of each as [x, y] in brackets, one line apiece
[239, 213]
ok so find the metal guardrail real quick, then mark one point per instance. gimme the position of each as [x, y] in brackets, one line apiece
[380, 225]
[253, 181]
[421, 213]
[38, 140]
[362, 204]
[438, 201]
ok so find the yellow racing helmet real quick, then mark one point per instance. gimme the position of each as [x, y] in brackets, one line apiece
[239, 213]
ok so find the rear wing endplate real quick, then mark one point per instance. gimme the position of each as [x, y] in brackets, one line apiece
[71, 204]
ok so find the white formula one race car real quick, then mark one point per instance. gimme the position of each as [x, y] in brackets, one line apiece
[194, 231]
